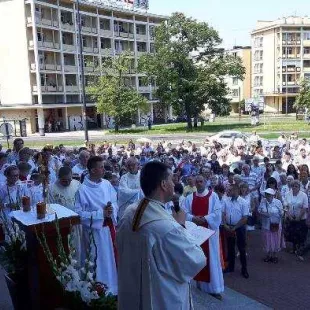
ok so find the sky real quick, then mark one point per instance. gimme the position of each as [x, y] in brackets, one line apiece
[234, 19]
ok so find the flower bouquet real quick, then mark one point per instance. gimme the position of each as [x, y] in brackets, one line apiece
[78, 282]
[13, 258]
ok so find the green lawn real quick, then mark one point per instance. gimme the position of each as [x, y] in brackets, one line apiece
[272, 127]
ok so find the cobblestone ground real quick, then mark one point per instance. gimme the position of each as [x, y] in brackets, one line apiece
[280, 286]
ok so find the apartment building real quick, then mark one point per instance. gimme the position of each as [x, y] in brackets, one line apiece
[281, 58]
[39, 57]
[240, 89]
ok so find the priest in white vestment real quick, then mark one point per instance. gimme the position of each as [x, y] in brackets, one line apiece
[129, 190]
[157, 258]
[63, 192]
[91, 204]
[204, 208]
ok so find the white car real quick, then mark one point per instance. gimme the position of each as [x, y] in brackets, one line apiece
[226, 137]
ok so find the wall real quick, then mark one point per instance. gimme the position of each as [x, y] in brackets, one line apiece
[14, 73]
[19, 115]
[247, 82]
[269, 68]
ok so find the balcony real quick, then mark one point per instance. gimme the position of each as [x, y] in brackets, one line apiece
[106, 33]
[306, 56]
[90, 49]
[144, 89]
[68, 26]
[89, 29]
[306, 69]
[291, 83]
[72, 88]
[69, 48]
[106, 51]
[47, 89]
[48, 44]
[88, 69]
[141, 37]
[70, 68]
[306, 43]
[141, 53]
[123, 34]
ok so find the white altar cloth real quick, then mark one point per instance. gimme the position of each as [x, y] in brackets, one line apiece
[30, 218]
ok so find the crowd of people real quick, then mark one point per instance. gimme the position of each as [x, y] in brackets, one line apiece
[232, 189]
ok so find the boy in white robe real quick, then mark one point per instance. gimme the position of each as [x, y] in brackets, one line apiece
[157, 259]
[91, 204]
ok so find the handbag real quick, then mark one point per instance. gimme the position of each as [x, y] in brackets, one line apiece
[274, 227]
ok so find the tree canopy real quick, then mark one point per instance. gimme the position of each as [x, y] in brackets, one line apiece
[303, 98]
[189, 67]
[113, 92]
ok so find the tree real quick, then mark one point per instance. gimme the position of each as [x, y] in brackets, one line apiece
[113, 92]
[189, 67]
[303, 98]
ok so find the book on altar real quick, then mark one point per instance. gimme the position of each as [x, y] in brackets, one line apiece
[198, 234]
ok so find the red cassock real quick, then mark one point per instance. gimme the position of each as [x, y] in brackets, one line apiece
[200, 207]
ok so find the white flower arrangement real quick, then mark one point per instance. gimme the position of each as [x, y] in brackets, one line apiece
[14, 250]
[78, 281]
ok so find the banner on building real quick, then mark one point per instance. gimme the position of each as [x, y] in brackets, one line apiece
[128, 4]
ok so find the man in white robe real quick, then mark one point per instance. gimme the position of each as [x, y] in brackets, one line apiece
[63, 192]
[157, 258]
[81, 166]
[212, 219]
[129, 187]
[91, 204]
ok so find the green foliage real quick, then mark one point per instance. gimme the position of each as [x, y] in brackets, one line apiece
[189, 67]
[303, 98]
[13, 253]
[113, 92]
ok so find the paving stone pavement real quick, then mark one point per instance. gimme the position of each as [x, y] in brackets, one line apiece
[271, 286]
[280, 286]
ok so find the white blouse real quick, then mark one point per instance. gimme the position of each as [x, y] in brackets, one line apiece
[272, 212]
[296, 203]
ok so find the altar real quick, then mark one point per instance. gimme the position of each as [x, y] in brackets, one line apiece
[45, 291]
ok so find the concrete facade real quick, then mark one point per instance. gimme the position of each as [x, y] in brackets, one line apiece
[39, 56]
[240, 89]
[281, 59]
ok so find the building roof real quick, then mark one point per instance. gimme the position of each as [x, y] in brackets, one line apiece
[110, 5]
[290, 21]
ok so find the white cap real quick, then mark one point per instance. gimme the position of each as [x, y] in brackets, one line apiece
[270, 191]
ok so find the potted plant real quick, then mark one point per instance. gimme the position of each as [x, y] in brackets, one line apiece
[13, 258]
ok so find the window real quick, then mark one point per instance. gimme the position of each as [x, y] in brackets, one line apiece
[235, 81]
[105, 43]
[105, 24]
[235, 92]
[307, 35]
[84, 41]
[306, 50]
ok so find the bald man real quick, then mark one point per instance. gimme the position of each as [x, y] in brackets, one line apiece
[129, 186]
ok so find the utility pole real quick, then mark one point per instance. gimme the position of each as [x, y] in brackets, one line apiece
[82, 76]
[239, 90]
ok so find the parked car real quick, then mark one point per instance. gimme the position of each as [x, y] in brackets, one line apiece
[227, 136]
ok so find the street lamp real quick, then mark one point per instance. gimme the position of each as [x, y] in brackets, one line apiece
[82, 76]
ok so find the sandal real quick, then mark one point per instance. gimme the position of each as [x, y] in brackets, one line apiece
[275, 260]
[267, 259]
